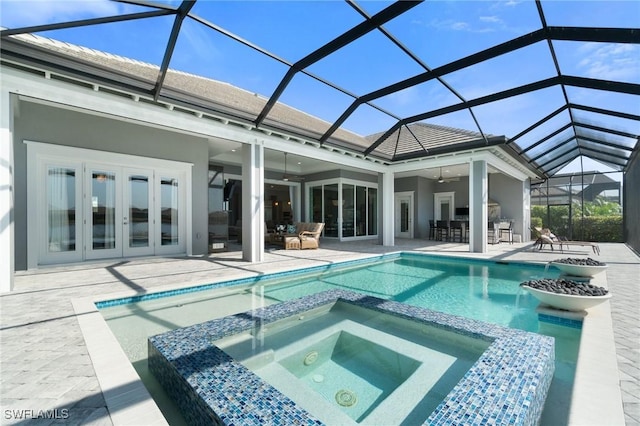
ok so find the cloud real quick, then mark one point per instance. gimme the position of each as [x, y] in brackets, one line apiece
[17, 14]
[405, 97]
[452, 25]
[609, 61]
[491, 19]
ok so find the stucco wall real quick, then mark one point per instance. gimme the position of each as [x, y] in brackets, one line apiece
[42, 123]
[422, 202]
[508, 192]
[631, 204]
[461, 189]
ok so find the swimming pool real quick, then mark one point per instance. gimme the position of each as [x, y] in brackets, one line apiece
[476, 289]
[428, 355]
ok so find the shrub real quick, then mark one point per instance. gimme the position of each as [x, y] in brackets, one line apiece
[605, 229]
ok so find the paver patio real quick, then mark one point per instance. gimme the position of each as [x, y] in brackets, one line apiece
[45, 364]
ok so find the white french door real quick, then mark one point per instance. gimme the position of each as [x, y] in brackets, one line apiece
[86, 208]
[59, 208]
[404, 214]
[132, 212]
[103, 212]
[138, 215]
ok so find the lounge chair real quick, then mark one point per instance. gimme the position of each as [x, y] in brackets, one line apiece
[309, 234]
[565, 242]
[543, 236]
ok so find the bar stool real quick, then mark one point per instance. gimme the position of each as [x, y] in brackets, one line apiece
[508, 231]
[455, 230]
[432, 230]
[442, 230]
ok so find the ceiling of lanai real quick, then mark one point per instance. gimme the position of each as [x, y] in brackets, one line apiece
[390, 81]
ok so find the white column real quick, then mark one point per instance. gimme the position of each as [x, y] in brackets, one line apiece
[388, 220]
[478, 204]
[7, 265]
[253, 202]
[526, 210]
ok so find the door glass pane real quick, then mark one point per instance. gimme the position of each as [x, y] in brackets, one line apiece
[347, 211]
[138, 211]
[404, 216]
[103, 210]
[361, 210]
[316, 204]
[169, 211]
[444, 211]
[331, 210]
[61, 209]
[372, 220]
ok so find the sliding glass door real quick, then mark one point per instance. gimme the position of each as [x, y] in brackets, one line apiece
[347, 208]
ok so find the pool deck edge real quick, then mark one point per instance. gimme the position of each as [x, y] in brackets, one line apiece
[127, 399]
[42, 340]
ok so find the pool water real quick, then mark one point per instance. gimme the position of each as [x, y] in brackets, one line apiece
[473, 289]
[482, 290]
[364, 364]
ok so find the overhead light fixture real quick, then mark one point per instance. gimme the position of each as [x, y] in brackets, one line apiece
[440, 178]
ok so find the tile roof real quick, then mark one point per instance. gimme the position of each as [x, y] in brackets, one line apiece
[418, 139]
[423, 139]
[217, 95]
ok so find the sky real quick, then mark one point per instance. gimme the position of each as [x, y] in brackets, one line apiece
[437, 32]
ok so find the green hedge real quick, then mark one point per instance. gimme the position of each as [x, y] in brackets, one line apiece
[604, 229]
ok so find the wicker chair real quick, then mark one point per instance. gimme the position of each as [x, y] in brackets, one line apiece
[310, 235]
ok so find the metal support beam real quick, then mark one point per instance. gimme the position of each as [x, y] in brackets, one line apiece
[182, 12]
[354, 33]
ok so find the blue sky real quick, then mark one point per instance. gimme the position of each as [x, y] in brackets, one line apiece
[436, 31]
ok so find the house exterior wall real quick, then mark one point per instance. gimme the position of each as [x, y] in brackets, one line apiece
[631, 204]
[461, 188]
[509, 193]
[40, 123]
[422, 202]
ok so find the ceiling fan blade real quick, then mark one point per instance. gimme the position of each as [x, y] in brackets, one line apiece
[287, 177]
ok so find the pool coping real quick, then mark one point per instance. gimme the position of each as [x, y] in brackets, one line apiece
[597, 366]
[507, 384]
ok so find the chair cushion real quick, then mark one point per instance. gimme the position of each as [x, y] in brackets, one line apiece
[546, 239]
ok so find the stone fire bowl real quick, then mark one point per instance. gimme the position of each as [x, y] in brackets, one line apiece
[579, 270]
[567, 302]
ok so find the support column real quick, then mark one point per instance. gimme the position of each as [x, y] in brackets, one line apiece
[7, 265]
[388, 210]
[478, 204]
[526, 210]
[253, 202]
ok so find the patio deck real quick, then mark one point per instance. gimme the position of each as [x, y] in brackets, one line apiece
[45, 363]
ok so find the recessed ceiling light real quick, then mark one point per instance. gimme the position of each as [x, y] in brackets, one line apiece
[299, 163]
[233, 150]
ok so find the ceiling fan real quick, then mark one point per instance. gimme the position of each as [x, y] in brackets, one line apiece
[441, 179]
[287, 177]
